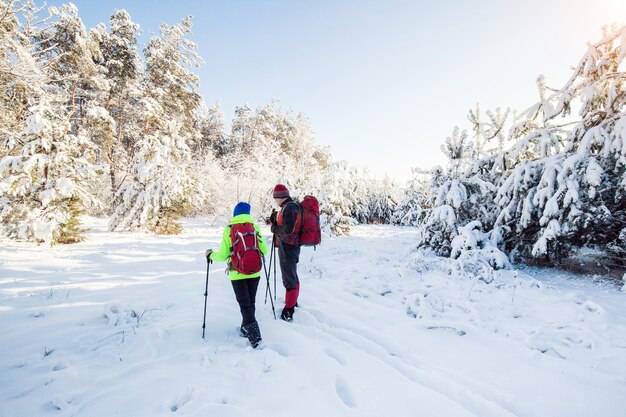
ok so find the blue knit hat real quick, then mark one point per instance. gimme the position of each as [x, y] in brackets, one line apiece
[241, 208]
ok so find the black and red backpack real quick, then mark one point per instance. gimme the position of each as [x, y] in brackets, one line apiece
[245, 255]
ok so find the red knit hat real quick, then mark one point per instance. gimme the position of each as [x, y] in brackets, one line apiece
[280, 191]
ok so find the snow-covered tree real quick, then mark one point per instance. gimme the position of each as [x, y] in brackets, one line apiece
[170, 58]
[451, 204]
[71, 53]
[566, 182]
[210, 128]
[44, 165]
[267, 146]
[336, 197]
[384, 196]
[212, 180]
[414, 205]
[21, 71]
[118, 128]
[88, 92]
[550, 182]
[160, 187]
[41, 193]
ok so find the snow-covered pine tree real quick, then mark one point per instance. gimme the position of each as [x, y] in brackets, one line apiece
[566, 182]
[169, 60]
[41, 193]
[44, 165]
[210, 145]
[71, 55]
[210, 127]
[16, 64]
[79, 80]
[252, 164]
[211, 179]
[356, 188]
[243, 128]
[384, 196]
[336, 197]
[20, 72]
[414, 207]
[160, 187]
[462, 195]
[116, 130]
[450, 200]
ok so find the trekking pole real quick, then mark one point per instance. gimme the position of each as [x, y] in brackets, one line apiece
[269, 267]
[267, 279]
[206, 293]
[274, 269]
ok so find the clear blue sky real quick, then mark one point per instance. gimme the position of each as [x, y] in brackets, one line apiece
[383, 82]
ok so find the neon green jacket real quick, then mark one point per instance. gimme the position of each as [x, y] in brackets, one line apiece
[223, 253]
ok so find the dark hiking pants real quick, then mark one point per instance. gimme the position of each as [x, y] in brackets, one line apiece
[289, 256]
[245, 292]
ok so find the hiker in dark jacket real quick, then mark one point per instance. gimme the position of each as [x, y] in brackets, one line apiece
[286, 237]
[244, 285]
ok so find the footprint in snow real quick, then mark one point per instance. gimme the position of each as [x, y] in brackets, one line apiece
[592, 307]
[59, 366]
[336, 356]
[60, 404]
[449, 329]
[344, 392]
[176, 405]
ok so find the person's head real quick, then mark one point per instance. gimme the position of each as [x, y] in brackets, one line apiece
[241, 208]
[280, 194]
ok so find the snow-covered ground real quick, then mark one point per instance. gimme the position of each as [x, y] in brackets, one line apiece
[112, 327]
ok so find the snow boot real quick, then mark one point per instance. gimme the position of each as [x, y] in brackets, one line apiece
[253, 333]
[287, 314]
[243, 332]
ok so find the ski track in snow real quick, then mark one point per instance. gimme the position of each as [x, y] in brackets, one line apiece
[112, 326]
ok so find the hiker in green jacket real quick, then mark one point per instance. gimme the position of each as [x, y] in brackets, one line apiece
[243, 248]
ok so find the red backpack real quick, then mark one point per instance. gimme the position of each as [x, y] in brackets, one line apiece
[245, 256]
[310, 232]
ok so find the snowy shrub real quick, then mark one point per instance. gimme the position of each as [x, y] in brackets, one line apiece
[473, 244]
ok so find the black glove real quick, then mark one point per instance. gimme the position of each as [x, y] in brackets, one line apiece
[207, 254]
[273, 217]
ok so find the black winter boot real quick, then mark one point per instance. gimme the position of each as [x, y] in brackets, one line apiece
[287, 314]
[253, 333]
[243, 332]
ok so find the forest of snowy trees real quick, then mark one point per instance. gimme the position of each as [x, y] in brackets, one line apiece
[92, 122]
